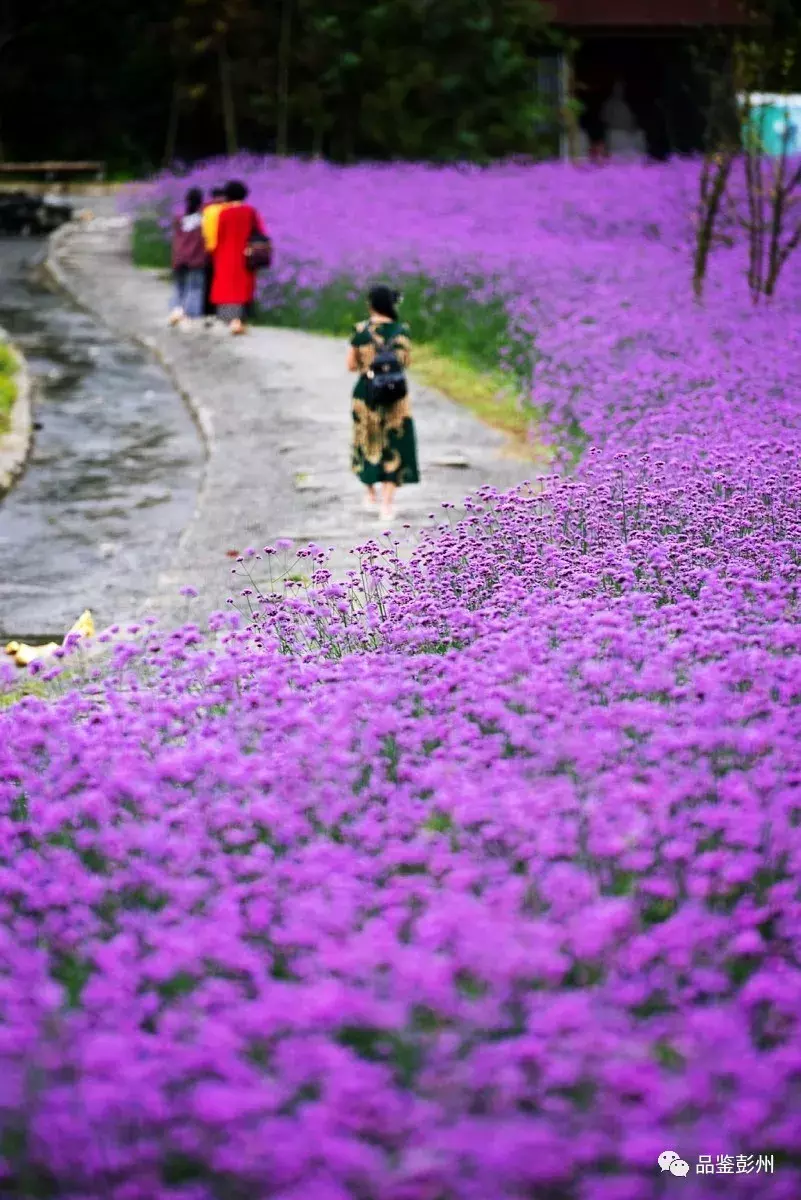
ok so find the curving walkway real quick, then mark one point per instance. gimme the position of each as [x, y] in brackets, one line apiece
[273, 408]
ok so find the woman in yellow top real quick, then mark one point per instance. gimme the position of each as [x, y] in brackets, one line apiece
[210, 222]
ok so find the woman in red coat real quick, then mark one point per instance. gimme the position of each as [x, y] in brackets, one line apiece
[234, 284]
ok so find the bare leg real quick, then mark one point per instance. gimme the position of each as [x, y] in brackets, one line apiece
[387, 498]
[237, 326]
[369, 497]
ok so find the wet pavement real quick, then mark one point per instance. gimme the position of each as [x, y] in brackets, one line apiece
[114, 471]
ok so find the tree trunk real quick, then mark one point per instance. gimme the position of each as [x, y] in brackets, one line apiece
[570, 124]
[171, 141]
[318, 135]
[714, 179]
[781, 196]
[756, 220]
[284, 53]
[5, 40]
[227, 98]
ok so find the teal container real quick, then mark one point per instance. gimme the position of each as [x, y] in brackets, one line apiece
[771, 120]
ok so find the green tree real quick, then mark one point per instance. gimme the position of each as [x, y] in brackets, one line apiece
[322, 63]
[429, 79]
[212, 44]
[164, 79]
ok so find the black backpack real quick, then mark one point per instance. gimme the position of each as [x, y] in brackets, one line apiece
[386, 380]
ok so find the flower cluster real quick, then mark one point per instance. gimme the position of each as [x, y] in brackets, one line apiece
[473, 877]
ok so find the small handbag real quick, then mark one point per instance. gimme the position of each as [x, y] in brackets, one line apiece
[259, 251]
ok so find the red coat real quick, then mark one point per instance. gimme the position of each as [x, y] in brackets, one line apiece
[233, 283]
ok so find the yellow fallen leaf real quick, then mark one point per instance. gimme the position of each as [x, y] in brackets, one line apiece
[12, 648]
[85, 625]
[27, 654]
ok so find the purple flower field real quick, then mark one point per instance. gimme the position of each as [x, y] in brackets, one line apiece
[474, 878]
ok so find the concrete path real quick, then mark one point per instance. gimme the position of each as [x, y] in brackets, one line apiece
[274, 411]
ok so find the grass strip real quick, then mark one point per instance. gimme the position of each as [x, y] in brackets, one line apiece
[488, 395]
[8, 385]
[26, 687]
[149, 245]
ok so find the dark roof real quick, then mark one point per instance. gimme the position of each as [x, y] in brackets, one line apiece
[645, 13]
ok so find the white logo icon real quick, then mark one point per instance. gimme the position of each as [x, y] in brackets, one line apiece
[669, 1161]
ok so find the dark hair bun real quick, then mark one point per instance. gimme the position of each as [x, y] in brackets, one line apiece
[383, 300]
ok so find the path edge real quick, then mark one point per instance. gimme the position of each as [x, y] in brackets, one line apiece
[15, 445]
[56, 245]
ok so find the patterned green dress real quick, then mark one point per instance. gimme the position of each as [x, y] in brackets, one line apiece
[384, 448]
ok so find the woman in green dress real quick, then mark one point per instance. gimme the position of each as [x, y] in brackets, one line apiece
[384, 449]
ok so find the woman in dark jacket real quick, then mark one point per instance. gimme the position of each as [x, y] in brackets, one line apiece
[188, 261]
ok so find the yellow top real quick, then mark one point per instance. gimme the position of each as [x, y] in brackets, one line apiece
[210, 222]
